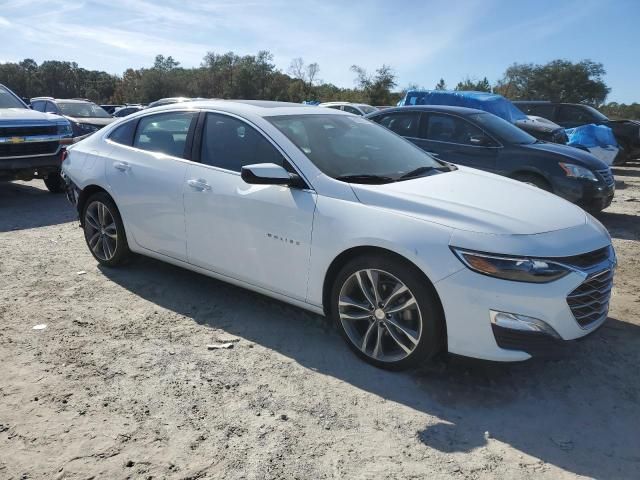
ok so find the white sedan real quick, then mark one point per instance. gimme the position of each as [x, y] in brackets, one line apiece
[409, 255]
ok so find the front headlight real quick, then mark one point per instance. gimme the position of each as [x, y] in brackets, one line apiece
[64, 129]
[576, 171]
[517, 269]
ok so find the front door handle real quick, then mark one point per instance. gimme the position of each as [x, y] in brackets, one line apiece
[122, 166]
[199, 184]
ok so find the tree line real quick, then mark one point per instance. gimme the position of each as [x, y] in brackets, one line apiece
[229, 75]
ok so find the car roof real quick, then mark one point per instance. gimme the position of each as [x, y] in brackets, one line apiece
[65, 100]
[462, 111]
[260, 108]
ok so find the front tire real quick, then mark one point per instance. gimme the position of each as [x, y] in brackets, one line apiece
[104, 231]
[387, 312]
[54, 182]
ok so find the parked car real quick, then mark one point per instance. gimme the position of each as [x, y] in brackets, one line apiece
[85, 116]
[479, 139]
[489, 102]
[110, 108]
[409, 255]
[30, 142]
[570, 115]
[127, 110]
[355, 108]
[171, 100]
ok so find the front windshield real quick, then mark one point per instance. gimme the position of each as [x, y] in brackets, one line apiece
[502, 129]
[350, 146]
[599, 116]
[8, 100]
[83, 110]
[368, 109]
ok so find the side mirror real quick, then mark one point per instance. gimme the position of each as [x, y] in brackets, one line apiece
[480, 140]
[266, 174]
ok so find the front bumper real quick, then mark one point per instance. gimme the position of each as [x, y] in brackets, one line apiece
[589, 195]
[468, 298]
[29, 167]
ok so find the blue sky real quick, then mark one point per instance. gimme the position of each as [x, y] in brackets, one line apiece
[421, 40]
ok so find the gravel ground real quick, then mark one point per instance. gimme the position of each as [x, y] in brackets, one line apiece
[121, 384]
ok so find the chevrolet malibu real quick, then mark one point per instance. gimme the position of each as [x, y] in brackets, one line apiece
[410, 256]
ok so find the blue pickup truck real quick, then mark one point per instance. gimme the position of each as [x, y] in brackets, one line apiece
[31, 143]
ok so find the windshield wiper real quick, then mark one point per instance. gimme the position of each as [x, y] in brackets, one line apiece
[365, 178]
[420, 171]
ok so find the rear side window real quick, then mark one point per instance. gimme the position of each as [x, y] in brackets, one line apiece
[405, 124]
[38, 105]
[124, 133]
[51, 108]
[230, 143]
[164, 133]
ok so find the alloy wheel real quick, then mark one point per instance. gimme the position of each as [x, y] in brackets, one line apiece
[380, 315]
[101, 231]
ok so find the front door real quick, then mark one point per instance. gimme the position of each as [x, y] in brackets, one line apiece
[259, 234]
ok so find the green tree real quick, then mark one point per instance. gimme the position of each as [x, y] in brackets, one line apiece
[558, 81]
[473, 85]
[376, 88]
[441, 85]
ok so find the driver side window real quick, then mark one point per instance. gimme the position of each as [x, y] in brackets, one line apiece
[230, 143]
[450, 129]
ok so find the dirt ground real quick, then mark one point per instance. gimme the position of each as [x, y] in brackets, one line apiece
[120, 384]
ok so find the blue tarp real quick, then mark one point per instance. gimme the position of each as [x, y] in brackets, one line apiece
[489, 102]
[591, 135]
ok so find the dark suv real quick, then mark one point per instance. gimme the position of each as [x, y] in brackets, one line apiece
[31, 143]
[479, 139]
[569, 115]
[85, 116]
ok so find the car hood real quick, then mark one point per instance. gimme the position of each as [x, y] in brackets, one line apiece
[475, 201]
[571, 154]
[537, 124]
[26, 114]
[97, 121]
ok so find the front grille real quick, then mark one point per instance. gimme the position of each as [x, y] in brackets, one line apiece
[25, 149]
[586, 260]
[28, 130]
[606, 176]
[589, 303]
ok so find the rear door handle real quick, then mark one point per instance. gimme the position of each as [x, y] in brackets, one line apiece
[199, 184]
[122, 166]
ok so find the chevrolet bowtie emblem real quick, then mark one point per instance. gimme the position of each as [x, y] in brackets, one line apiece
[16, 140]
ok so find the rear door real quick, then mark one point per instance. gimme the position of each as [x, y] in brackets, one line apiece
[146, 170]
[259, 234]
[452, 138]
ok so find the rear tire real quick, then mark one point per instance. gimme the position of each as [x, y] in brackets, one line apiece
[104, 231]
[405, 329]
[535, 180]
[54, 183]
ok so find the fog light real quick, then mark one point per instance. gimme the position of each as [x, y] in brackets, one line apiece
[513, 321]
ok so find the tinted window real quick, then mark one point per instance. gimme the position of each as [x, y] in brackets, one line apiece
[342, 145]
[165, 133]
[447, 128]
[368, 109]
[335, 107]
[231, 144]
[403, 123]
[575, 114]
[502, 129]
[353, 110]
[38, 105]
[124, 133]
[544, 110]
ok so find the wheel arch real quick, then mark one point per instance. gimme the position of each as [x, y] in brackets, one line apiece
[531, 172]
[347, 255]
